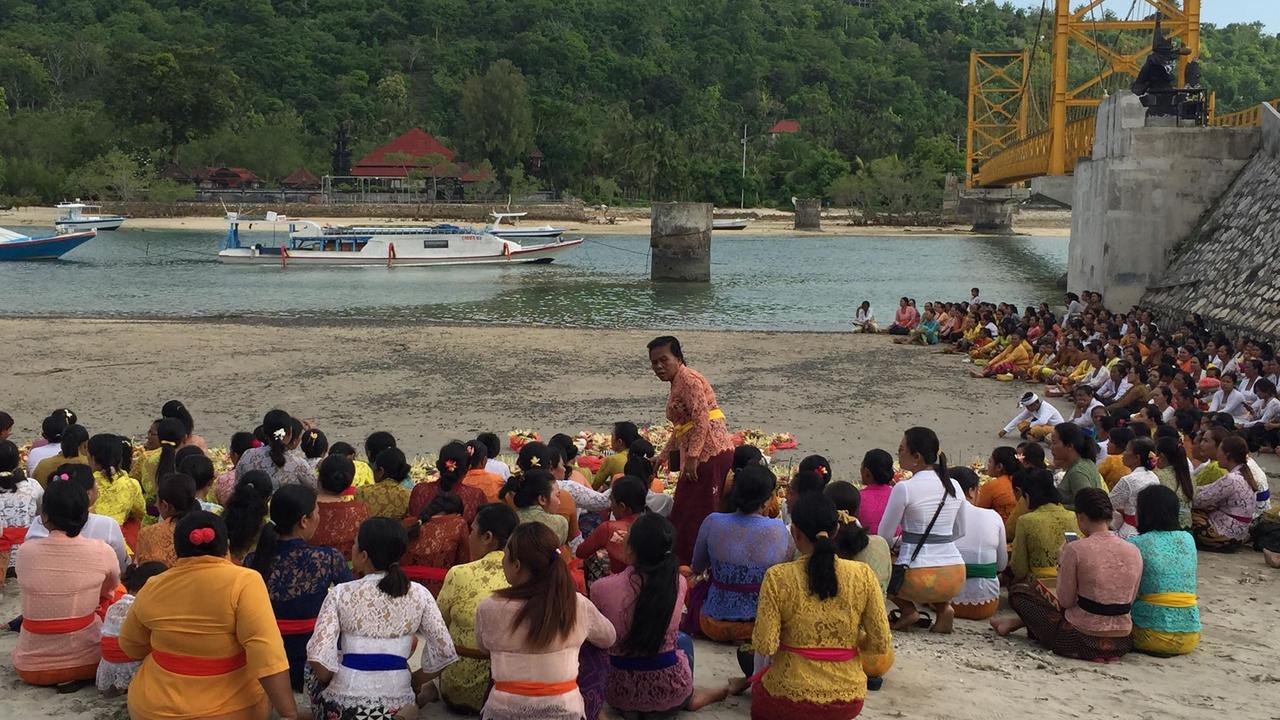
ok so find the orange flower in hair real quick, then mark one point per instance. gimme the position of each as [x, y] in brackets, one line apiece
[450, 465]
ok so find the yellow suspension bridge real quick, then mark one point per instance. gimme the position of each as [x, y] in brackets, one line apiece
[1032, 112]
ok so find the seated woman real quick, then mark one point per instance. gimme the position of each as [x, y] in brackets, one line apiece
[368, 630]
[534, 630]
[73, 450]
[19, 503]
[451, 464]
[734, 550]
[119, 496]
[924, 333]
[1014, 360]
[438, 540]
[651, 665]
[465, 683]
[1166, 618]
[298, 575]
[1140, 457]
[853, 542]
[340, 516]
[63, 580]
[1174, 473]
[1136, 396]
[997, 493]
[817, 614]
[1044, 361]
[388, 496]
[1223, 510]
[877, 485]
[282, 465]
[627, 504]
[1041, 531]
[478, 476]
[536, 500]
[206, 635]
[1098, 577]
[1112, 467]
[864, 321]
[176, 498]
[984, 551]
[904, 319]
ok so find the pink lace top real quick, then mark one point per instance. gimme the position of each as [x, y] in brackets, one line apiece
[874, 500]
[1104, 569]
[642, 690]
[691, 400]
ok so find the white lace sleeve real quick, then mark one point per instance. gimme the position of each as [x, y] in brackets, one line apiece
[323, 646]
[437, 648]
[584, 497]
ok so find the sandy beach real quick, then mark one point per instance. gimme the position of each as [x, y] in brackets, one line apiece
[630, 221]
[839, 394]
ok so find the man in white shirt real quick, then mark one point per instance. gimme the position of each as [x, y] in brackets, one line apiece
[975, 298]
[1262, 430]
[1085, 402]
[1116, 384]
[1036, 420]
[493, 464]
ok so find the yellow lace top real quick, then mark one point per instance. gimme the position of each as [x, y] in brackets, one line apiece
[364, 475]
[1039, 538]
[788, 614]
[119, 498]
[385, 499]
[145, 466]
[466, 682]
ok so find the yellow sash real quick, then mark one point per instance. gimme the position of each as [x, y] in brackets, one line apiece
[1042, 573]
[1170, 599]
[683, 428]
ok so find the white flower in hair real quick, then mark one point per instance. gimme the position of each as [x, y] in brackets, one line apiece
[279, 434]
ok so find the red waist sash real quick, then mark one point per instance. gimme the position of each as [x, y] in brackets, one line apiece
[425, 573]
[1237, 518]
[11, 536]
[536, 689]
[818, 654]
[735, 587]
[198, 666]
[111, 651]
[1131, 520]
[296, 627]
[57, 627]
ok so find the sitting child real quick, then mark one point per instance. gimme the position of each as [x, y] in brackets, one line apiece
[116, 669]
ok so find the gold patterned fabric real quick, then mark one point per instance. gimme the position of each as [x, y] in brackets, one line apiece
[119, 498]
[1040, 535]
[465, 682]
[385, 499]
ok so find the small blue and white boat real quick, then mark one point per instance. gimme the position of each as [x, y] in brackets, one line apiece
[16, 246]
[73, 218]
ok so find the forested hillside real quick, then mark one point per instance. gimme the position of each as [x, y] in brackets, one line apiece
[639, 99]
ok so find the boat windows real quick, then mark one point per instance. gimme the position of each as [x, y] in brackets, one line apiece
[434, 244]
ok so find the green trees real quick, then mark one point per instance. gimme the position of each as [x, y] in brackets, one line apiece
[497, 124]
[185, 91]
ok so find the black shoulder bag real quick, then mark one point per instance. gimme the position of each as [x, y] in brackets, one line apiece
[899, 574]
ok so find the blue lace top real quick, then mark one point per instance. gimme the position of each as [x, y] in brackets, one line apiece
[1168, 565]
[301, 578]
[738, 549]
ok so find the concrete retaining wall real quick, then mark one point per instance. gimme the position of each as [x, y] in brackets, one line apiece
[1144, 191]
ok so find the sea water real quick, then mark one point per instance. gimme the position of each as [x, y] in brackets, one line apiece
[778, 282]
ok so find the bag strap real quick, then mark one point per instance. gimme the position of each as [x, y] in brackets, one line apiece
[928, 529]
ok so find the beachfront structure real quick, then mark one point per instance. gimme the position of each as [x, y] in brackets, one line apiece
[414, 163]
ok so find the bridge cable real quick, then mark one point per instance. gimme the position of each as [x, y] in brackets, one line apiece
[1031, 63]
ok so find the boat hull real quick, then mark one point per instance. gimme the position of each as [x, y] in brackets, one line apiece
[95, 224]
[729, 224]
[48, 248]
[297, 258]
[527, 234]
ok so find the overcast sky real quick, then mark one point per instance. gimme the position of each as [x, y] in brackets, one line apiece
[1218, 12]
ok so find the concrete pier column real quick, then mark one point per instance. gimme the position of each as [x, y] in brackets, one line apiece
[680, 242]
[808, 214]
[993, 217]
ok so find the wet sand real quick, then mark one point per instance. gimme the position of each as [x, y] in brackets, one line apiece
[840, 394]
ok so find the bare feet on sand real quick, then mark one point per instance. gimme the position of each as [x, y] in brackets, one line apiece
[946, 619]
[906, 621]
[1006, 625]
[703, 697]
[737, 686]
[1272, 558]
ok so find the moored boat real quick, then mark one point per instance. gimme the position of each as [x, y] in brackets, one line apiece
[308, 243]
[72, 217]
[504, 226]
[731, 224]
[16, 246]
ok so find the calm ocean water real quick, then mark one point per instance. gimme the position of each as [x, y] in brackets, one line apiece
[758, 283]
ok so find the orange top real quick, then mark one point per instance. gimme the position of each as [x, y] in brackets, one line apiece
[997, 494]
[486, 482]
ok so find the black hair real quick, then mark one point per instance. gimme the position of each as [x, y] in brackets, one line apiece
[1007, 458]
[815, 516]
[1073, 437]
[185, 452]
[1140, 429]
[178, 491]
[376, 443]
[107, 452]
[1094, 503]
[183, 544]
[384, 540]
[1175, 453]
[126, 454]
[444, 503]
[640, 460]
[630, 492]
[289, 505]
[72, 438]
[1121, 437]
[1038, 488]
[455, 454]
[11, 473]
[52, 427]
[924, 442]
[497, 519]
[745, 455]
[1166, 431]
[626, 431]
[314, 444]
[669, 342]
[477, 455]
[6, 421]
[1145, 449]
[818, 464]
[657, 577]
[392, 464]
[200, 468]
[1235, 450]
[491, 442]
[246, 509]
[66, 507]
[534, 455]
[528, 487]
[240, 443]
[171, 433]
[806, 482]
[76, 473]
[176, 410]
[342, 448]
[752, 487]
[336, 473]
[879, 465]
[965, 477]
[1157, 509]
[565, 445]
[852, 538]
[276, 423]
[136, 576]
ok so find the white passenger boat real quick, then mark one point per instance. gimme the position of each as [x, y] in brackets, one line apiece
[308, 243]
[731, 224]
[504, 226]
[78, 217]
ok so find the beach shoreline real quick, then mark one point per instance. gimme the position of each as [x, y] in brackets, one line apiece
[840, 394]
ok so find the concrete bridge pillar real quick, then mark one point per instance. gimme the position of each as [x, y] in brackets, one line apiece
[680, 242]
[992, 209]
[808, 214]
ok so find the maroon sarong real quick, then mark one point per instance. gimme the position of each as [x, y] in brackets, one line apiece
[694, 501]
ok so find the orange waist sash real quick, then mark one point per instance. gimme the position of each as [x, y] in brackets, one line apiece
[536, 689]
[57, 627]
[111, 651]
[198, 666]
[296, 627]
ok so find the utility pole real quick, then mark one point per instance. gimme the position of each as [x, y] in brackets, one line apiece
[742, 200]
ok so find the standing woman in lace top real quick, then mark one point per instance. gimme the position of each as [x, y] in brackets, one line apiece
[364, 637]
[700, 443]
